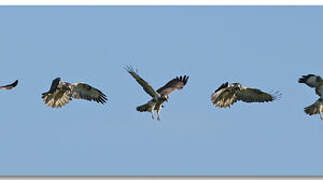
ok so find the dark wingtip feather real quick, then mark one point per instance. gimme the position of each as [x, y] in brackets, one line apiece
[102, 98]
[127, 68]
[183, 79]
[14, 84]
[10, 86]
[224, 85]
[277, 95]
[130, 69]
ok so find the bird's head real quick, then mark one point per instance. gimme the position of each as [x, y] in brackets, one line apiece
[237, 86]
[165, 98]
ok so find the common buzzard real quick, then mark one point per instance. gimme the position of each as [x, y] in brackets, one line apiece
[60, 93]
[159, 96]
[227, 94]
[316, 82]
[9, 86]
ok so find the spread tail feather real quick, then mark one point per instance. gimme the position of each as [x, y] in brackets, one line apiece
[315, 108]
[143, 108]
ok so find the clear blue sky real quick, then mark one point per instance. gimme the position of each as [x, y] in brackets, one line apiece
[263, 47]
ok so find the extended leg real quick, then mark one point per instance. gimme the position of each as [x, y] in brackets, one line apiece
[152, 111]
[321, 116]
[158, 111]
[158, 116]
[152, 115]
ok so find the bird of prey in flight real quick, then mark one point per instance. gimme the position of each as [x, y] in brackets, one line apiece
[9, 86]
[316, 82]
[159, 96]
[227, 94]
[60, 93]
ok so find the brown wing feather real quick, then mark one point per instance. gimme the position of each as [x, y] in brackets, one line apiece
[255, 95]
[87, 92]
[9, 86]
[175, 84]
[145, 85]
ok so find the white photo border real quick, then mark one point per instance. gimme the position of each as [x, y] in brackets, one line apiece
[162, 2]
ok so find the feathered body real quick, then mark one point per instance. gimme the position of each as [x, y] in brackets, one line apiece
[316, 82]
[227, 94]
[159, 96]
[60, 93]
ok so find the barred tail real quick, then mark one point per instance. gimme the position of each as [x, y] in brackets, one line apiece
[143, 108]
[315, 108]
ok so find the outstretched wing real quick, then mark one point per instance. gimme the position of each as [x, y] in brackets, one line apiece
[9, 86]
[255, 95]
[87, 92]
[58, 95]
[148, 89]
[315, 108]
[224, 96]
[175, 84]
